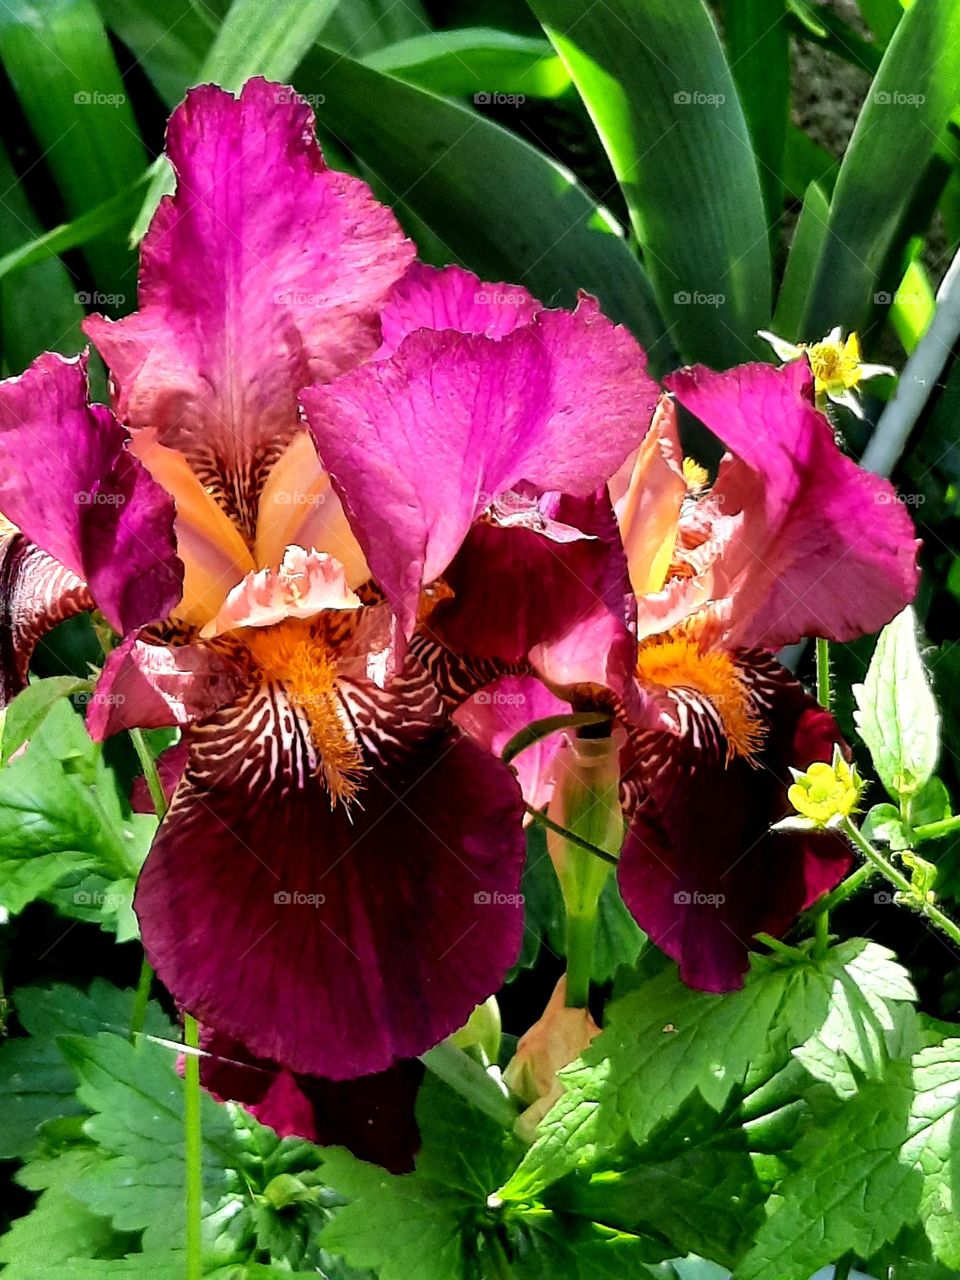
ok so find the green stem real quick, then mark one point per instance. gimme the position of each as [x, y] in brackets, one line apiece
[900, 881]
[193, 1151]
[937, 830]
[822, 933]
[823, 672]
[844, 890]
[139, 1015]
[155, 787]
[781, 948]
[150, 773]
[539, 816]
[581, 930]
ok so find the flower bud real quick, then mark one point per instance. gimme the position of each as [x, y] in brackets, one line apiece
[586, 801]
[482, 1029]
[559, 1036]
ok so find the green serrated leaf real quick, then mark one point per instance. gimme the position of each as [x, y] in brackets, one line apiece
[867, 1169]
[30, 708]
[701, 1196]
[884, 823]
[897, 714]
[59, 1229]
[571, 1135]
[36, 1085]
[864, 987]
[444, 1222]
[136, 1097]
[61, 816]
[664, 1042]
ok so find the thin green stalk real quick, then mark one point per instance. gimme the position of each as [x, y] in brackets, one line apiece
[937, 830]
[539, 816]
[155, 787]
[900, 881]
[824, 697]
[781, 948]
[822, 933]
[844, 890]
[193, 1153]
[140, 1001]
[824, 692]
[581, 931]
[150, 773]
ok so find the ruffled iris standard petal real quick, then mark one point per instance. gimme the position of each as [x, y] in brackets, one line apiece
[451, 298]
[335, 941]
[69, 484]
[823, 547]
[700, 869]
[265, 272]
[418, 445]
[36, 592]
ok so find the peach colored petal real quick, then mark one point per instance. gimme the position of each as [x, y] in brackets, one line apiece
[215, 556]
[648, 502]
[299, 507]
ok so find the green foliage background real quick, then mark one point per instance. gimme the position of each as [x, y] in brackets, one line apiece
[650, 152]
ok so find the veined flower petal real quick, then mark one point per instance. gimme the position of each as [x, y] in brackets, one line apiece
[145, 685]
[700, 870]
[299, 507]
[824, 547]
[418, 445]
[69, 483]
[335, 942]
[36, 592]
[451, 298]
[265, 272]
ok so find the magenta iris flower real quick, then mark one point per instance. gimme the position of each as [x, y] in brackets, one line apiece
[790, 539]
[335, 885]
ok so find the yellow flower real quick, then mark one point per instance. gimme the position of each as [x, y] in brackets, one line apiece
[826, 792]
[835, 364]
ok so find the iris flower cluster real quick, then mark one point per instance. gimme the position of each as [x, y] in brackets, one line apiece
[354, 521]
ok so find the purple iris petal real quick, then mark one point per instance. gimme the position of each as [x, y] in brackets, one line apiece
[68, 482]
